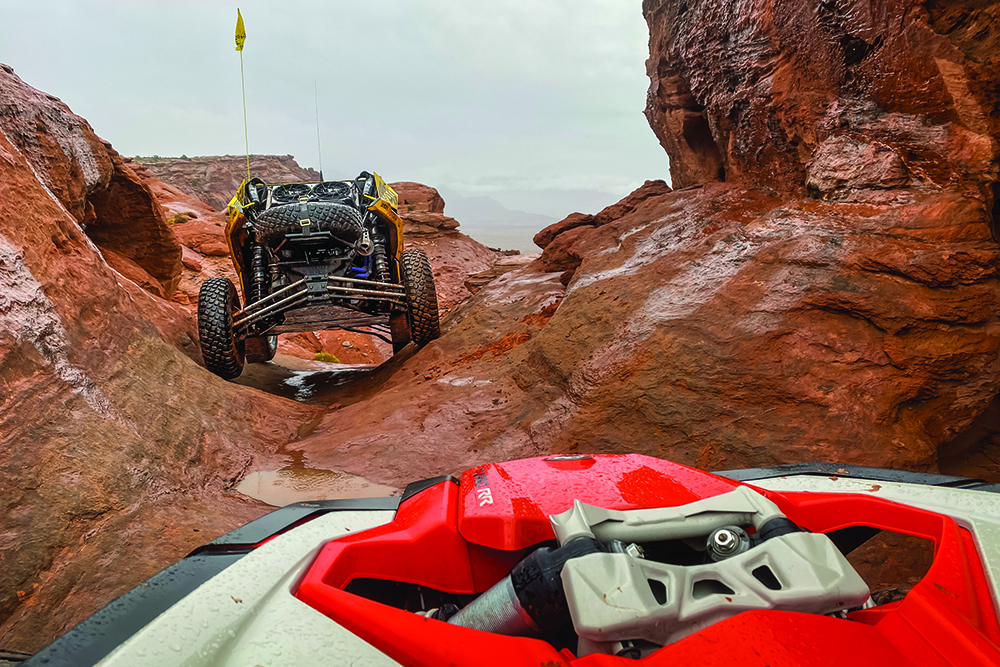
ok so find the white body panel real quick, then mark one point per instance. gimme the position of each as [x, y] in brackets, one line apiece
[246, 615]
[978, 511]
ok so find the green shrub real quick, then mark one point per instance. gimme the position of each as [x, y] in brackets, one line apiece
[327, 357]
[177, 218]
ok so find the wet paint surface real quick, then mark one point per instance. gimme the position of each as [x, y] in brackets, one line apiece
[507, 505]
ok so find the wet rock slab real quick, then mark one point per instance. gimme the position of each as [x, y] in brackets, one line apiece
[720, 327]
[117, 451]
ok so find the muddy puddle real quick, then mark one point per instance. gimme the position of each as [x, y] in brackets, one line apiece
[302, 380]
[298, 483]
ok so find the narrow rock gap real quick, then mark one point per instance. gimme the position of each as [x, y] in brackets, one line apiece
[995, 209]
[975, 451]
[698, 135]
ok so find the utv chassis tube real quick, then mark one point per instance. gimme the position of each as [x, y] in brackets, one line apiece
[531, 600]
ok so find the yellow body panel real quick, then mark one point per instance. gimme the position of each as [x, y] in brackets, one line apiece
[389, 215]
[386, 206]
[386, 193]
[233, 227]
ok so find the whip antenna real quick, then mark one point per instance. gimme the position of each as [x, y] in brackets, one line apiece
[319, 149]
[241, 36]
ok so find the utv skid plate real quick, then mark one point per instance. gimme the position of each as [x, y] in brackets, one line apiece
[321, 302]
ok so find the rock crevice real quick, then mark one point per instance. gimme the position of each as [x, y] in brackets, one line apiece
[90, 179]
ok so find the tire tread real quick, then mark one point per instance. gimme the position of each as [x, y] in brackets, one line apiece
[341, 220]
[217, 300]
[421, 296]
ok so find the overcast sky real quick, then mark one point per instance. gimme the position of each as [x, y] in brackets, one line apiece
[538, 104]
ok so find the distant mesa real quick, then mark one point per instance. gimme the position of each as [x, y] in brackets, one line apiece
[214, 178]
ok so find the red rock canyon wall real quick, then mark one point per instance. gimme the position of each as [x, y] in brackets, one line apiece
[115, 448]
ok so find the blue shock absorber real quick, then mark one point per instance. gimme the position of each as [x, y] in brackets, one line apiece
[363, 272]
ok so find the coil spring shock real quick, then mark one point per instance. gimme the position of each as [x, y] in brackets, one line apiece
[258, 269]
[381, 261]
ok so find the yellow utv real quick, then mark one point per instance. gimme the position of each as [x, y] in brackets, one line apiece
[315, 256]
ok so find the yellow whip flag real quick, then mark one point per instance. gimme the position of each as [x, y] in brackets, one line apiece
[241, 32]
[241, 36]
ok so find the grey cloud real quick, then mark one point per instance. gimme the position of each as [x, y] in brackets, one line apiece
[500, 97]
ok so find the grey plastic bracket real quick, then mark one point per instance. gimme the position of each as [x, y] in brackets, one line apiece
[742, 507]
[615, 597]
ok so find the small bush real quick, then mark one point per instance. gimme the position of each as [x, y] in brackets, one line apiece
[177, 218]
[327, 357]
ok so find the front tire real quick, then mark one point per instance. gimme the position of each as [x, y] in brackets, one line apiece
[421, 296]
[217, 303]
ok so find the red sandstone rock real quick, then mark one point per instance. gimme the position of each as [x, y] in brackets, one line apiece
[505, 264]
[751, 93]
[128, 220]
[543, 238]
[561, 254]
[427, 223]
[90, 180]
[116, 450]
[205, 238]
[173, 200]
[573, 220]
[417, 198]
[191, 260]
[132, 272]
[346, 347]
[844, 163]
[175, 323]
[647, 190]
[200, 230]
[61, 147]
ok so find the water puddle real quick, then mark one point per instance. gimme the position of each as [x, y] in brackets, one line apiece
[303, 380]
[296, 483]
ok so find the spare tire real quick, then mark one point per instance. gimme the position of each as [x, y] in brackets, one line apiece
[344, 222]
